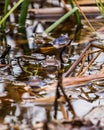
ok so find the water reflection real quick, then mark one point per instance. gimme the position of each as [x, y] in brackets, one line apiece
[34, 62]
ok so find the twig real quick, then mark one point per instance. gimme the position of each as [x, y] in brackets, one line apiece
[91, 62]
[83, 60]
[82, 64]
[77, 61]
[87, 2]
[93, 51]
[61, 11]
[59, 86]
[83, 79]
[92, 28]
[55, 10]
[65, 115]
[65, 6]
[98, 46]
[102, 70]
[69, 103]
[56, 102]
[86, 94]
[2, 65]
[81, 67]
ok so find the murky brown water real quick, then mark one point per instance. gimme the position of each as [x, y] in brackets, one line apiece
[31, 67]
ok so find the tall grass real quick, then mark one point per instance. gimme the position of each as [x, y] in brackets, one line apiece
[5, 12]
[76, 13]
[23, 13]
[100, 6]
[3, 20]
[59, 21]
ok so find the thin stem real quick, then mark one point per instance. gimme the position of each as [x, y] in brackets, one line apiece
[54, 25]
[56, 102]
[92, 28]
[71, 69]
[12, 9]
[69, 103]
[23, 13]
[82, 64]
[5, 12]
[98, 46]
[102, 7]
[77, 15]
[91, 62]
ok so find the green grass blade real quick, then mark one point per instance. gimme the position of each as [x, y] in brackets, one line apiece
[101, 7]
[77, 15]
[59, 21]
[12, 9]
[23, 13]
[5, 12]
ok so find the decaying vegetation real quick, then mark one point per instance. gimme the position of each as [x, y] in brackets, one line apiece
[51, 65]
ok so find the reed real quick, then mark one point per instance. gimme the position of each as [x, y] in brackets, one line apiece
[3, 20]
[76, 13]
[100, 6]
[59, 21]
[23, 13]
[5, 12]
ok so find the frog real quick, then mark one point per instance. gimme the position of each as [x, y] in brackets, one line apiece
[61, 41]
[50, 61]
[35, 82]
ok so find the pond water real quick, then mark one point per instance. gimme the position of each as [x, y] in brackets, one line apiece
[31, 67]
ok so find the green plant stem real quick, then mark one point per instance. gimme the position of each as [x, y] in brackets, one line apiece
[101, 7]
[12, 9]
[5, 12]
[92, 28]
[23, 13]
[59, 21]
[98, 5]
[77, 15]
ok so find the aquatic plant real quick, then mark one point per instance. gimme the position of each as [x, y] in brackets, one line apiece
[100, 6]
[77, 15]
[54, 25]
[5, 12]
[3, 20]
[87, 20]
[23, 13]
